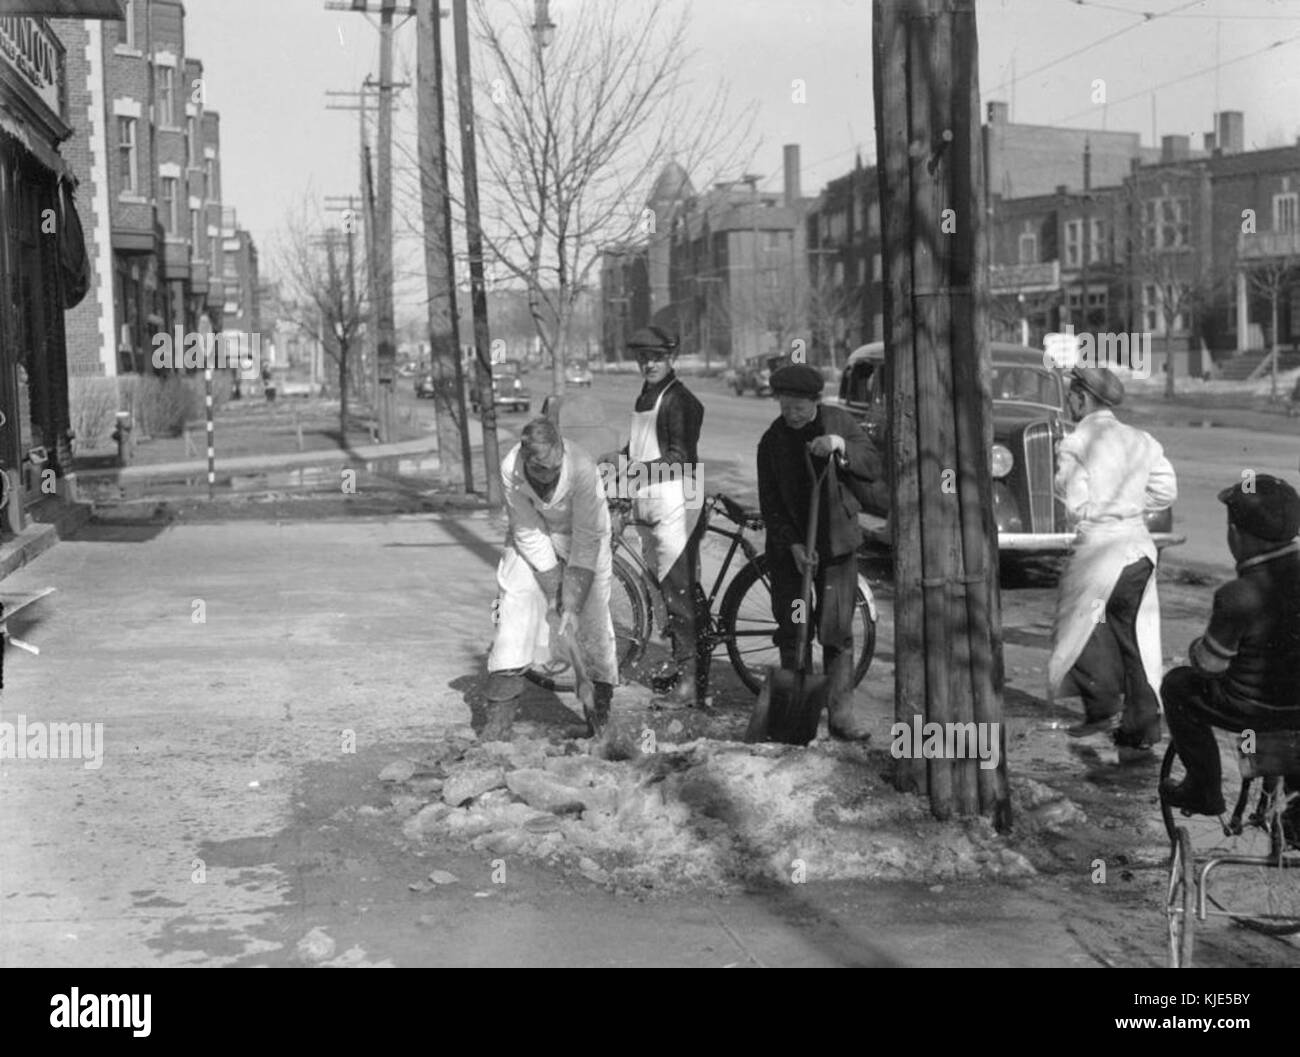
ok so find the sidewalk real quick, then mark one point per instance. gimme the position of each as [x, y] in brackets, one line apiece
[253, 680]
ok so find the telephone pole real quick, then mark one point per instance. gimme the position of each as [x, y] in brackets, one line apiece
[439, 253]
[474, 241]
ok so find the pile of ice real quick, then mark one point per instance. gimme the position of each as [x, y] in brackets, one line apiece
[703, 813]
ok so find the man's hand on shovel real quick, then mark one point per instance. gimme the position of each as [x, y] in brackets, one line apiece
[802, 558]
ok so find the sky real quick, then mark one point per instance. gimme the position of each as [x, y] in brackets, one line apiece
[269, 63]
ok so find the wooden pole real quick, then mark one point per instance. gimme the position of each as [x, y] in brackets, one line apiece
[439, 255]
[386, 353]
[474, 240]
[947, 627]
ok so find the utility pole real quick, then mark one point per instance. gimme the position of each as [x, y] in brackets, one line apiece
[383, 213]
[947, 619]
[474, 241]
[439, 253]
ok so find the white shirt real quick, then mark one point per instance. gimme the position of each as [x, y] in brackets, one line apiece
[573, 524]
[1112, 472]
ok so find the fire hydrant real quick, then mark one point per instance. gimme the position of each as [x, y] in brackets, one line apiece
[125, 442]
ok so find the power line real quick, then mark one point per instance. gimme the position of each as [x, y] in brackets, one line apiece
[1224, 18]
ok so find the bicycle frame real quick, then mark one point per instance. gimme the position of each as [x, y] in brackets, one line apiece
[709, 635]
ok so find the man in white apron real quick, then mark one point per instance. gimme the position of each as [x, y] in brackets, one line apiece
[1106, 638]
[555, 573]
[662, 472]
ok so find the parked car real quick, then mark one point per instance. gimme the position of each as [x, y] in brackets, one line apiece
[756, 374]
[508, 389]
[1029, 420]
[578, 374]
[424, 387]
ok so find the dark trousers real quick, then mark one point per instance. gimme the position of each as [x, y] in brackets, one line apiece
[677, 588]
[1194, 705]
[835, 587]
[1110, 665]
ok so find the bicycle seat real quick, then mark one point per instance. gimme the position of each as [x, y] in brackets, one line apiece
[1276, 754]
[747, 517]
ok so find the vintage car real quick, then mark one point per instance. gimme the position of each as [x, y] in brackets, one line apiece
[755, 374]
[508, 389]
[577, 374]
[1029, 420]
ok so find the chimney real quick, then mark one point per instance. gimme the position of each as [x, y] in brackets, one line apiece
[1231, 127]
[792, 193]
[1087, 165]
[998, 113]
[1175, 148]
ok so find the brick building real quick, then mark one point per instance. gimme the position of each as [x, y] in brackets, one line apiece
[148, 154]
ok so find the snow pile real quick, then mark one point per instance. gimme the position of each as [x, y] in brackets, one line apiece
[704, 813]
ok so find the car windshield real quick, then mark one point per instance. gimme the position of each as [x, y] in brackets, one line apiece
[1030, 385]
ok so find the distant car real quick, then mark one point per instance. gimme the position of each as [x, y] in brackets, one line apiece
[508, 389]
[756, 374]
[578, 374]
[424, 387]
[1029, 421]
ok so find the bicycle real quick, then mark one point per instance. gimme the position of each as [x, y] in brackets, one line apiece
[743, 622]
[1257, 893]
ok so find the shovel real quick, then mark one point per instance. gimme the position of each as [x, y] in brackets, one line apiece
[564, 648]
[790, 703]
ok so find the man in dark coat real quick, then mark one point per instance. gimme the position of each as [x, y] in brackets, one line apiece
[1245, 670]
[806, 426]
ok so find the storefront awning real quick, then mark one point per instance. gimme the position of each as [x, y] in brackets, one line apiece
[110, 9]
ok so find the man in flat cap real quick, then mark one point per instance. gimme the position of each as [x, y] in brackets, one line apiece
[1106, 636]
[662, 463]
[807, 427]
[1245, 669]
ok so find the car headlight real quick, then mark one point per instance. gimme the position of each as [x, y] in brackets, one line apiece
[1003, 461]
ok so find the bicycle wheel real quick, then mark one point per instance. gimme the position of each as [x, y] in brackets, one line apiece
[1181, 903]
[629, 608]
[747, 626]
[1262, 894]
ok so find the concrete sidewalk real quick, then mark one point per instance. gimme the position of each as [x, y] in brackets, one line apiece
[253, 678]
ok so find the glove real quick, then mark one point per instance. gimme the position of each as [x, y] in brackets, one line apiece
[824, 445]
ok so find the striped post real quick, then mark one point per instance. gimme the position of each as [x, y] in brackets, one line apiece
[212, 454]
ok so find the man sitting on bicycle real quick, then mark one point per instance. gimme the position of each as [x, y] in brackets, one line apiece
[784, 493]
[1245, 670]
[555, 572]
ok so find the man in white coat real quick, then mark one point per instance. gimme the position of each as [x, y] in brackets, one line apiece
[1106, 639]
[555, 574]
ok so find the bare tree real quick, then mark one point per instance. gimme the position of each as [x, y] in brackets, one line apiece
[1272, 277]
[573, 137]
[326, 302]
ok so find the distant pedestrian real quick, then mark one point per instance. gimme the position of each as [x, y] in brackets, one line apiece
[1106, 638]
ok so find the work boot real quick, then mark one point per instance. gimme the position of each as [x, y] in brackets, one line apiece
[503, 691]
[597, 716]
[1192, 799]
[681, 688]
[841, 720]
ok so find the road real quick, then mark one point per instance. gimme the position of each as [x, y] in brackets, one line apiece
[1206, 455]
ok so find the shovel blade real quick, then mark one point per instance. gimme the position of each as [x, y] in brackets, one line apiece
[788, 708]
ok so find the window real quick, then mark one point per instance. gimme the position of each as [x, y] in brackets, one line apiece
[166, 96]
[1028, 248]
[128, 25]
[209, 188]
[126, 152]
[1097, 244]
[873, 218]
[877, 271]
[214, 245]
[1073, 243]
[195, 230]
[1284, 212]
[771, 241]
[1153, 304]
[170, 192]
[1166, 223]
[190, 124]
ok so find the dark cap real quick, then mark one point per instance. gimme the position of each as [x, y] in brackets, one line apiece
[1269, 511]
[1101, 382]
[655, 339]
[797, 379]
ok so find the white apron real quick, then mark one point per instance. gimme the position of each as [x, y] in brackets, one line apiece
[1101, 551]
[662, 504]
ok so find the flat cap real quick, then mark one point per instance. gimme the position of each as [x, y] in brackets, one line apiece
[657, 338]
[797, 379]
[1269, 511]
[1101, 382]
